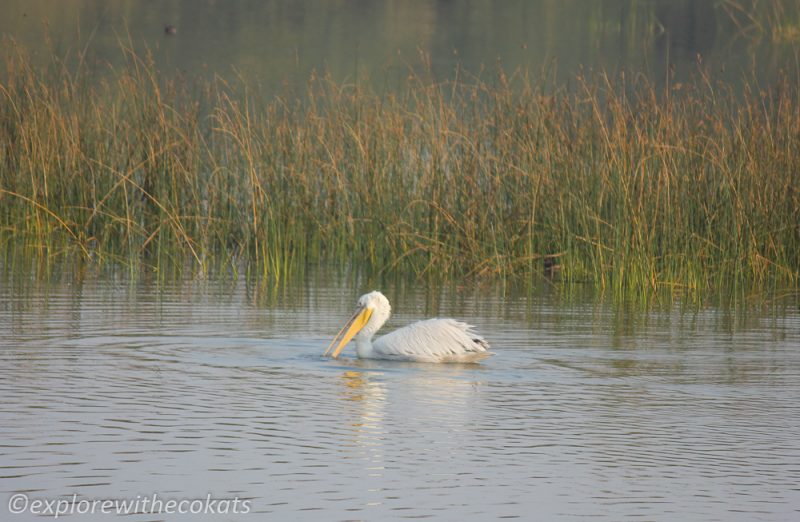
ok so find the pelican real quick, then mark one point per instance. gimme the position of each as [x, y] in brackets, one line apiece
[432, 340]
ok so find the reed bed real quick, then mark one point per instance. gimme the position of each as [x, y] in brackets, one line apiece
[616, 181]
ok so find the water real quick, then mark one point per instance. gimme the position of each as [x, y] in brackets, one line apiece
[115, 390]
[276, 45]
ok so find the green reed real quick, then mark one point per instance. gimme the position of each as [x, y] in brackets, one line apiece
[630, 185]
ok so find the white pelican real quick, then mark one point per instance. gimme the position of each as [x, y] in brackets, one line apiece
[433, 340]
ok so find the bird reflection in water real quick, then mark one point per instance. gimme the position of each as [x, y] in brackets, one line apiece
[371, 397]
[367, 399]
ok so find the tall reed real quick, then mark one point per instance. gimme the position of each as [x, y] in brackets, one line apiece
[630, 185]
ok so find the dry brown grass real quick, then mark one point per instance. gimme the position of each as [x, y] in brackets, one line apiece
[630, 185]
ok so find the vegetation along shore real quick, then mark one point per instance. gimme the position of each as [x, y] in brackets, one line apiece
[615, 181]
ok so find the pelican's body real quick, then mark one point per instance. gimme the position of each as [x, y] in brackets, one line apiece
[433, 340]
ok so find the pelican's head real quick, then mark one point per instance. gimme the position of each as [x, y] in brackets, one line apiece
[372, 311]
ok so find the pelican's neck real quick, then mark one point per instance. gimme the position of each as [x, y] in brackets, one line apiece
[364, 347]
[363, 339]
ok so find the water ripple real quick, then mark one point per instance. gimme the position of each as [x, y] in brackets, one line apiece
[117, 393]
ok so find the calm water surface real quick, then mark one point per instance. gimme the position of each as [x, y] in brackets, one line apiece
[112, 390]
[277, 45]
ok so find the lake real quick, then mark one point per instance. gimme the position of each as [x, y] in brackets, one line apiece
[275, 46]
[114, 389]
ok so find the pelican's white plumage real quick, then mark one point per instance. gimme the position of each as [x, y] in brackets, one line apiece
[433, 340]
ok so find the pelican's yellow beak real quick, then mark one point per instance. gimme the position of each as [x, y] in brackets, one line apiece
[349, 330]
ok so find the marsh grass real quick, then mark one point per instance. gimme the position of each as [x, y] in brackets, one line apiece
[631, 186]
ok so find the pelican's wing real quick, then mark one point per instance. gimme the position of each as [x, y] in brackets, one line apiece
[434, 340]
